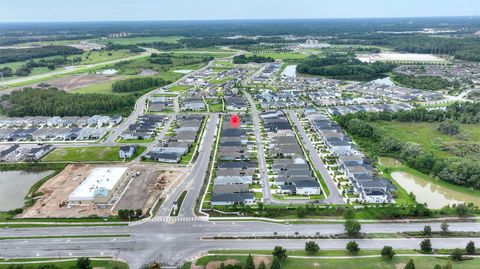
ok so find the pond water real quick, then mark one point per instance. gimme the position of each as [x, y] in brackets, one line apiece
[14, 185]
[290, 71]
[433, 195]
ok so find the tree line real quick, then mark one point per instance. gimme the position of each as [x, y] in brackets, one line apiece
[459, 171]
[343, 67]
[54, 102]
[242, 59]
[16, 55]
[137, 84]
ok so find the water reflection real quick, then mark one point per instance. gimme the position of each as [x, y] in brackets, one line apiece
[433, 195]
[14, 185]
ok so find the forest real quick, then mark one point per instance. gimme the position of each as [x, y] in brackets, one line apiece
[54, 102]
[137, 84]
[343, 67]
[463, 171]
[242, 59]
[425, 82]
[16, 55]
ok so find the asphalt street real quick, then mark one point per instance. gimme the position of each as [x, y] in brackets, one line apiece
[172, 243]
[335, 196]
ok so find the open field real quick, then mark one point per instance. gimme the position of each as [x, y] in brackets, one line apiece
[137, 40]
[92, 57]
[73, 82]
[287, 56]
[426, 134]
[85, 154]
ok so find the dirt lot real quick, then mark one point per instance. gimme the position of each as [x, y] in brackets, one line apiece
[143, 191]
[73, 82]
[140, 192]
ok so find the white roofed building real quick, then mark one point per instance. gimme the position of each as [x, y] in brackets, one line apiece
[99, 186]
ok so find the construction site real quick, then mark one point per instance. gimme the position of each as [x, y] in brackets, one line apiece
[85, 190]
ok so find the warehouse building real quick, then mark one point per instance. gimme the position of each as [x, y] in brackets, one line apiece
[98, 187]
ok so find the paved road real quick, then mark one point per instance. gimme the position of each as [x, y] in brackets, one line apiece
[172, 243]
[335, 195]
[196, 174]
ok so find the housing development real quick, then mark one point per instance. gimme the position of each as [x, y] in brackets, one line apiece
[315, 144]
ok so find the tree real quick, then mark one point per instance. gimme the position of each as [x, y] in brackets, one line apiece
[437, 266]
[427, 230]
[456, 254]
[279, 252]
[311, 247]
[387, 252]
[449, 127]
[249, 262]
[410, 264]
[263, 266]
[276, 263]
[349, 213]
[352, 247]
[83, 263]
[462, 210]
[448, 265]
[444, 226]
[426, 245]
[352, 227]
[470, 248]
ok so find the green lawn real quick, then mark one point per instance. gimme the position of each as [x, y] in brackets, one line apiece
[179, 88]
[425, 134]
[107, 264]
[92, 57]
[354, 263]
[103, 87]
[86, 154]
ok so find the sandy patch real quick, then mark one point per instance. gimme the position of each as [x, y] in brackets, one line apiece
[216, 265]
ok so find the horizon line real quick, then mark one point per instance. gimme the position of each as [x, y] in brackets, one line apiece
[246, 19]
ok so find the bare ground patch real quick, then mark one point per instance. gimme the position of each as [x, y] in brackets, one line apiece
[69, 83]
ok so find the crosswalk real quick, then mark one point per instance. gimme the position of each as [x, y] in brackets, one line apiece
[176, 219]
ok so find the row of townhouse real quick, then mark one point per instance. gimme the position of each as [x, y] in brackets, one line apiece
[52, 134]
[356, 167]
[293, 174]
[344, 110]
[186, 132]
[278, 100]
[15, 153]
[68, 121]
[145, 127]
[234, 171]
[159, 104]
[391, 91]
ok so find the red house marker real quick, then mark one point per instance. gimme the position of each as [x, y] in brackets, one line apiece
[234, 120]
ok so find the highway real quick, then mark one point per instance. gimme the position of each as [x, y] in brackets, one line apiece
[173, 242]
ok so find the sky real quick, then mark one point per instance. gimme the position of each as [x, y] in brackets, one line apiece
[131, 10]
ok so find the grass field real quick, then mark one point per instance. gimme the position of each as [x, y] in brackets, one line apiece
[283, 56]
[68, 264]
[355, 262]
[102, 87]
[92, 57]
[86, 154]
[425, 133]
[136, 40]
